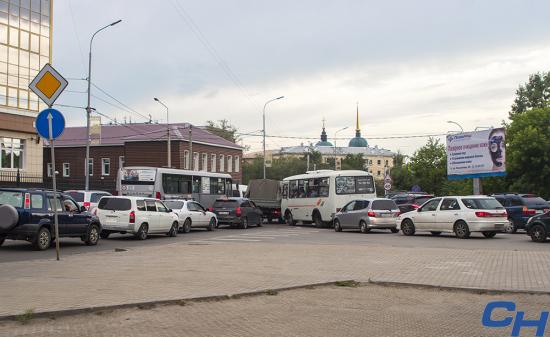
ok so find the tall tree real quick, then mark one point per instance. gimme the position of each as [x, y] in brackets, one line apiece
[533, 94]
[353, 162]
[223, 129]
[400, 173]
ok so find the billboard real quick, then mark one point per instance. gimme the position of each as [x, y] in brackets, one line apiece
[476, 154]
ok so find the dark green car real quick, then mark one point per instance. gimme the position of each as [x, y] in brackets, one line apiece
[538, 227]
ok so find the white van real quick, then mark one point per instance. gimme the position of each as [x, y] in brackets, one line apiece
[136, 215]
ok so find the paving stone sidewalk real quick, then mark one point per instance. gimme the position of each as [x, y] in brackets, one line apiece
[182, 270]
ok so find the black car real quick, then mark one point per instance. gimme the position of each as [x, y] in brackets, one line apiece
[538, 227]
[520, 208]
[410, 201]
[28, 214]
[237, 212]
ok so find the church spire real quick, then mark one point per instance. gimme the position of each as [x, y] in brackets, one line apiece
[324, 138]
[357, 127]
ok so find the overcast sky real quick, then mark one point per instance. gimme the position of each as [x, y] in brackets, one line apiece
[411, 65]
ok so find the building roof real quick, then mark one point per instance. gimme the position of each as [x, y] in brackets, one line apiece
[325, 150]
[118, 134]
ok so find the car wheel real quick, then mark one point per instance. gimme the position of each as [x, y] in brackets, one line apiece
[186, 228]
[104, 234]
[511, 227]
[407, 227]
[260, 220]
[92, 237]
[142, 232]
[290, 219]
[43, 239]
[269, 220]
[337, 226]
[462, 231]
[436, 233]
[394, 230]
[538, 233]
[173, 230]
[244, 223]
[317, 220]
[363, 227]
[489, 234]
[2, 239]
[211, 225]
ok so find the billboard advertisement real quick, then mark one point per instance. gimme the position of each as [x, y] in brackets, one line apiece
[476, 154]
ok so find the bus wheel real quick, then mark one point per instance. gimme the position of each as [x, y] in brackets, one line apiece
[290, 219]
[317, 220]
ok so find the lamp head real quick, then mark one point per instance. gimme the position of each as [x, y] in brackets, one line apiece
[116, 22]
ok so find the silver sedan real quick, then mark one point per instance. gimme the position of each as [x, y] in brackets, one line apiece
[367, 214]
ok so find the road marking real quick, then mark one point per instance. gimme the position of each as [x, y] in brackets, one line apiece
[238, 239]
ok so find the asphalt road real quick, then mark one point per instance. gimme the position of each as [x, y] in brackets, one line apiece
[279, 234]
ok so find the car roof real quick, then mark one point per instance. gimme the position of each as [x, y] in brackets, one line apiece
[131, 197]
[84, 191]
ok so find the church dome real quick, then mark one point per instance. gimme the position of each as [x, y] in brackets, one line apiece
[324, 139]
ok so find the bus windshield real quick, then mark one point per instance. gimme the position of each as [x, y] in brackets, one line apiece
[138, 176]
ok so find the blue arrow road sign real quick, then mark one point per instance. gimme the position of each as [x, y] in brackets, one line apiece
[42, 123]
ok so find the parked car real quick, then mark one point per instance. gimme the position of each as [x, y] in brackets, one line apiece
[136, 215]
[28, 214]
[520, 208]
[461, 215]
[538, 227]
[88, 199]
[367, 214]
[237, 212]
[191, 214]
[410, 201]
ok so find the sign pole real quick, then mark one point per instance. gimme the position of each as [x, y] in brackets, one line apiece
[54, 186]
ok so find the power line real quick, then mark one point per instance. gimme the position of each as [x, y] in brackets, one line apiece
[129, 109]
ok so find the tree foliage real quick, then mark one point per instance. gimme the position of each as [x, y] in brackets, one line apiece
[223, 129]
[353, 162]
[533, 94]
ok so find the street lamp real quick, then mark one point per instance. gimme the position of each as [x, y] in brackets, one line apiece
[168, 132]
[455, 123]
[266, 103]
[342, 129]
[88, 107]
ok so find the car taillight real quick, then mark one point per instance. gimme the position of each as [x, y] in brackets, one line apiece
[238, 211]
[528, 212]
[157, 195]
[210, 209]
[87, 204]
[132, 217]
[371, 214]
[415, 206]
[398, 213]
[27, 200]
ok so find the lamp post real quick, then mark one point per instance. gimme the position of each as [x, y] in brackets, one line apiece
[342, 129]
[266, 103]
[88, 107]
[169, 153]
[455, 123]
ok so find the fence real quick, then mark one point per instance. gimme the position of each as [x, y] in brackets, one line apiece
[20, 179]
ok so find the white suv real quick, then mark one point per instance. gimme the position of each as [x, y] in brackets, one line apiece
[192, 215]
[135, 215]
[456, 214]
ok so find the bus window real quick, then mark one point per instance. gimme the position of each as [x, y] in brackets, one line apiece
[354, 185]
[217, 186]
[293, 189]
[285, 190]
[196, 184]
[302, 188]
[176, 184]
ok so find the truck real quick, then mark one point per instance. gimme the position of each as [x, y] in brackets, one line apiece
[266, 194]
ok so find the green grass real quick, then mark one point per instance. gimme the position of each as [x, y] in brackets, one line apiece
[25, 317]
[347, 283]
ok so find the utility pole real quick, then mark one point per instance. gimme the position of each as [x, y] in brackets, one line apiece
[168, 149]
[263, 115]
[342, 129]
[191, 157]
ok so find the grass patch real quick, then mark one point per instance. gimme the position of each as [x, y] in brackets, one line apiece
[347, 283]
[271, 292]
[25, 317]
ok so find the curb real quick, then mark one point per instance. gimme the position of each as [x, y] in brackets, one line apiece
[151, 304]
[473, 290]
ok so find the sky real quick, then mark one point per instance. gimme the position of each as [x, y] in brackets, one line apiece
[411, 66]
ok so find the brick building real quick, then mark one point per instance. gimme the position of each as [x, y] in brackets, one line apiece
[116, 146]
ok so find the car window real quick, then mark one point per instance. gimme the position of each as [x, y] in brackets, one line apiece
[199, 207]
[515, 202]
[359, 205]
[384, 204]
[161, 207]
[502, 201]
[140, 204]
[225, 204]
[150, 206]
[422, 199]
[481, 203]
[173, 204]
[430, 205]
[115, 204]
[449, 204]
[11, 198]
[245, 204]
[50, 204]
[350, 206]
[70, 206]
[535, 201]
[94, 198]
[77, 196]
[37, 201]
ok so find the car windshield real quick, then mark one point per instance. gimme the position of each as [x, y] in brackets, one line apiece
[225, 203]
[77, 196]
[94, 198]
[482, 203]
[384, 205]
[115, 204]
[535, 201]
[173, 204]
[11, 198]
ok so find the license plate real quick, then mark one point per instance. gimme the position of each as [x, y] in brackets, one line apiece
[224, 213]
[539, 211]
[386, 215]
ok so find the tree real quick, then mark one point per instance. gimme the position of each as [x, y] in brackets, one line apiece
[400, 173]
[429, 166]
[353, 162]
[528, 152]
[223, 129]
[533, 94]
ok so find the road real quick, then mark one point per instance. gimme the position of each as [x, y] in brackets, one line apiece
[280, 234]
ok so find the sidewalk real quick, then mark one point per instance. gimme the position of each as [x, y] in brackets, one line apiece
[180, 270]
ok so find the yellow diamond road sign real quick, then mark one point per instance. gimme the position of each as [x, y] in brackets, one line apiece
[48, 84]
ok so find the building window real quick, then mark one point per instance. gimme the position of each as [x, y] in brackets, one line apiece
[49, 169]
[237, 163]
[12, 150]
[195, 161]
[90, 167]
[212, 163]
[186, 159]
[379, 162]
[378, 173]
[229, 163]
[370, 161]
[222, 163]
[205, 162]
[66, 169]
[121, 162]
[105, 166]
